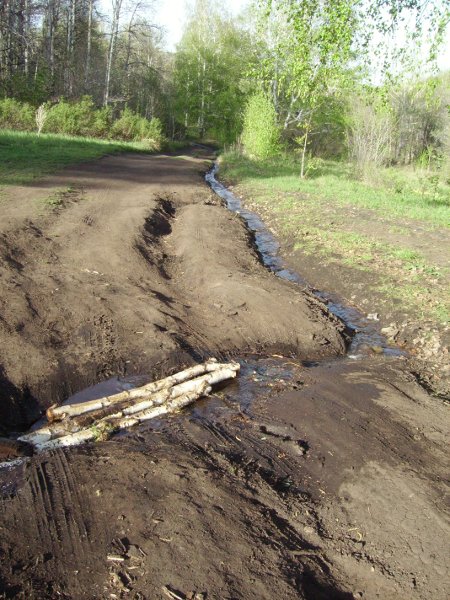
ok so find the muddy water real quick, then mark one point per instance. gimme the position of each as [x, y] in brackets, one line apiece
[365, 334]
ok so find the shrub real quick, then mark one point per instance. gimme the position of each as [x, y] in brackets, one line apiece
[369, 137]
[82, 119]
[261, 135]
[101, 123]
[16, 115]
[132, 127]
[41, 117]
[71, 118]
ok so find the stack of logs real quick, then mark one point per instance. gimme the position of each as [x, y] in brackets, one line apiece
[74, 424]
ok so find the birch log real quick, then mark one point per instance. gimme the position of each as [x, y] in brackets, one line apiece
[116, 424]
[99, 417]
[60, 412]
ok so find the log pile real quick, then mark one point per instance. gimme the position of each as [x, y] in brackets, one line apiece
[74, 424]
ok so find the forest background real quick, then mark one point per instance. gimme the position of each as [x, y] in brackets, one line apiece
[335, 78]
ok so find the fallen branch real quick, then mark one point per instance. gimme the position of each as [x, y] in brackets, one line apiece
[60, 412]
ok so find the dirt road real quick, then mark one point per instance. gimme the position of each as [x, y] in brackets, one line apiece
[312, 476]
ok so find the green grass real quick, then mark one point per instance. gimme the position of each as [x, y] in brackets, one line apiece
[406, 193]
[321, 217]
[27, 156]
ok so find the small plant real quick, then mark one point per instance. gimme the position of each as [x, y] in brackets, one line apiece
[41, 117]
[55, 200]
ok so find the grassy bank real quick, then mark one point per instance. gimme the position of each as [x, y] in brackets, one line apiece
[27, 156]
[411, 193]
[388, 238]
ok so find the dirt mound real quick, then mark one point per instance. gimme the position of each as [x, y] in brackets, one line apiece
[141, 272]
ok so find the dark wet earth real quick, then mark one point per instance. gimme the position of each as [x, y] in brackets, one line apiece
[315, 480]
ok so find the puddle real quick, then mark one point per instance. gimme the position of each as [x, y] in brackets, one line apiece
[364, 333]
[258, 378]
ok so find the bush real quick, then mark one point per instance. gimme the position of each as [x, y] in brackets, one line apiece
[16, 115]
[71, 118]
[101, 123]
[132, 127]
[261, 135]
[82, 119]
[370, 137]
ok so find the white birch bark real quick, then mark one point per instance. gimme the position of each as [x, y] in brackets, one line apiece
[216, 373]
[60, 412]
[116, 424]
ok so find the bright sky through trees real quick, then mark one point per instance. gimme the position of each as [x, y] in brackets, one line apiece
[172, 16]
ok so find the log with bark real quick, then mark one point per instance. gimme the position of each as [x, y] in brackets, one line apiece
[60, 412]
[75, 424]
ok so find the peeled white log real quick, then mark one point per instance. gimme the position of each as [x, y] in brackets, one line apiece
[226, 372]
[111, 424]
[60, 412]
[61, 429]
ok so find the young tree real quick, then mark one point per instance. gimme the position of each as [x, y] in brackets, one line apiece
[261, 134]
[307, 57]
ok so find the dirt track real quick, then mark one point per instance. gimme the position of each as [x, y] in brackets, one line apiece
[302, 480]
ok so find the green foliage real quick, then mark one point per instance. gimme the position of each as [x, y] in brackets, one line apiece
[209, 76]
[101, 122]
[16, 115]
[71, 118]
[132, 127]
[261, 135]
[83, 119]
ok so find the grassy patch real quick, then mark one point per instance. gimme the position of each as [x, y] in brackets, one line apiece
[409, 193]
[326, 217]
[27, 156]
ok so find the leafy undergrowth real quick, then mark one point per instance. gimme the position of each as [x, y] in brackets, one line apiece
[27, 156]
[389, 240]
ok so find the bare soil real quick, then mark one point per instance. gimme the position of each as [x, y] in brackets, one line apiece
[312, 476]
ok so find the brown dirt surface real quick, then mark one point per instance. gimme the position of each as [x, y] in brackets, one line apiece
[311, 476]
[137, 268]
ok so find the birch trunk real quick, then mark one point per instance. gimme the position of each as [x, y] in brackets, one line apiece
[60, 412]
[55, 430]
[117, 5]
[89, 44]
[116, 424]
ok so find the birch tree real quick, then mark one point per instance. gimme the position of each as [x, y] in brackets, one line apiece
[116, 10]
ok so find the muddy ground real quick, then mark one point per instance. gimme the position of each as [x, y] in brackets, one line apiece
[312, 476]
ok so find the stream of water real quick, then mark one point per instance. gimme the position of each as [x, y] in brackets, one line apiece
[365, 334]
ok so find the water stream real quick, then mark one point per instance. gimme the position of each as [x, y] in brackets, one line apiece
[365, 334]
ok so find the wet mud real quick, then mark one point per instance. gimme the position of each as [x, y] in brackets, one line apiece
[312, 475]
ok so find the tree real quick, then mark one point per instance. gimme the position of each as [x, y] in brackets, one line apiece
[209, 76]
[307, 57]
[116, 8]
